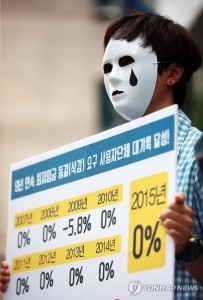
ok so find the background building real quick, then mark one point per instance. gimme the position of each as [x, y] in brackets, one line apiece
[51, 80]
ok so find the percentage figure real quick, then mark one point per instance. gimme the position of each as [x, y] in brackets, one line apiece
[75, 276]
[108, 218]
[78, 226]
[49, 233]
[46, 280]
[86, 222]
[148, 234]
[106, 271]
[22, 286]
[23, 238]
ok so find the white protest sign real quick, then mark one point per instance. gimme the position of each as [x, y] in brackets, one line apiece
[83, 218]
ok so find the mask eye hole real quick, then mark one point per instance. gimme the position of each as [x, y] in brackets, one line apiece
[126, 60]
[107, 68]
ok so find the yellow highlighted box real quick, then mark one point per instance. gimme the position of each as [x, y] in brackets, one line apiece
[147, 239]
[75, 205]
[81, 251]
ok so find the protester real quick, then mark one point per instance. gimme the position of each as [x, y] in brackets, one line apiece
[148, 61]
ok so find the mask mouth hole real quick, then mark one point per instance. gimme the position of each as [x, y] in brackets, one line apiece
[116, 93]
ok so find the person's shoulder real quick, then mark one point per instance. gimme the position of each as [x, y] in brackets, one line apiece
[185, 127]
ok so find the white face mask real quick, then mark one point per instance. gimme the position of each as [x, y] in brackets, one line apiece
[130, 73]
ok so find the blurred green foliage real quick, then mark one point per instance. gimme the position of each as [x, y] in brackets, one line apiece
[193, 106]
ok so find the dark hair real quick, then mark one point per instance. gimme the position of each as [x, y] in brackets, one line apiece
[171, 42]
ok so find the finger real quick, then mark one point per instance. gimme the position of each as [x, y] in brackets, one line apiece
[5, 279]
[177, 221]
[5, 272]
[4, 264]
[184, 216]
[3, 287]
[179, 232]
[182, 210]
[179, 198]
[177, 237]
